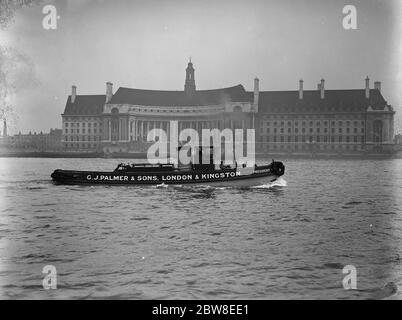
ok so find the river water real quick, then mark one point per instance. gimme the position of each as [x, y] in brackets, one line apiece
[290, 240]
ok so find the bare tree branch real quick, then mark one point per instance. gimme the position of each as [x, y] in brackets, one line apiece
[8, 8]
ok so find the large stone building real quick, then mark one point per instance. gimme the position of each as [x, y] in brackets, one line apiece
[324, 121]
[34, 142]
[296, 121]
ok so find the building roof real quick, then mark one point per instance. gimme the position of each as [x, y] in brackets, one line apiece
[334, 101]
[85, 105]
[269, 101]
[179, 98]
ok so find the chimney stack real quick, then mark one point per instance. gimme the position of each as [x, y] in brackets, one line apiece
[256, 90]
[73, 93]
[322, 88]
[377, 85]
[367, 91]
[301, 89]
[109, 91]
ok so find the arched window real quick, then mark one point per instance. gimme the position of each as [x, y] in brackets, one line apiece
[237, 109]
[377, 131]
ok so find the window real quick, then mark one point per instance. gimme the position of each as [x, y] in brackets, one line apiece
[304, 130]
[340, 130]
[296, 130]
[289, 139]
[275, 130]
[289, 130]
[281, 130]
[347, 130]
[318, 130]
[340, 123]
[340, 139]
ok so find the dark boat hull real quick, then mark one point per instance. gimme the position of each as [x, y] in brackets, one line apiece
[232, 177]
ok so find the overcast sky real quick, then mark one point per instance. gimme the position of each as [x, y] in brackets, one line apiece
[146, 44]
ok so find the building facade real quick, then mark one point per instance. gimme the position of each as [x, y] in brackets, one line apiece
[120, 122]
[38, 142]
[325, 121]
[299, 121]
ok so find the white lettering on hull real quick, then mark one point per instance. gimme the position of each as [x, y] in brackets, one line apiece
[163, 178]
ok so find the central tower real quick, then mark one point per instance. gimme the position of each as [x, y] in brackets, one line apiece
[189, 86]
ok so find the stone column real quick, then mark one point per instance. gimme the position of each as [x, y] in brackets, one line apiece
[110, 130]
[135, 130]
[385, 130]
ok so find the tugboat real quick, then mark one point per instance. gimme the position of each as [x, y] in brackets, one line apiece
[157, 174]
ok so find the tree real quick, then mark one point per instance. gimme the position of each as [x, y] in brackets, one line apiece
[17, 72]
[8, 8]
